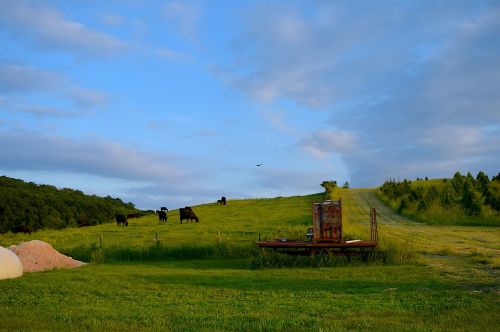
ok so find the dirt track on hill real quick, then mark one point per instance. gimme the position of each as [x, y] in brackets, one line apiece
[463, 252]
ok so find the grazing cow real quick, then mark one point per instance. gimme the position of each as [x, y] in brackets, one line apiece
[162, 215]
[222, 201]
[121, 220]
[188, 214]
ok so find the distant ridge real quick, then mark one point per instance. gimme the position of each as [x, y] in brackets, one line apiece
[27, 207]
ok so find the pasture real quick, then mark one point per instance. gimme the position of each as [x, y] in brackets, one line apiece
[445, 277]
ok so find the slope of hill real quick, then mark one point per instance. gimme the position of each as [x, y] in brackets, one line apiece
[462, 200]
[239, 223]
[446, 278]
[28, 207]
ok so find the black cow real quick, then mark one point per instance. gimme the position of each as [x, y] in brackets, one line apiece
[162, 215]
[222, 201]
[187, 213]
[163, 208]
[121, 220]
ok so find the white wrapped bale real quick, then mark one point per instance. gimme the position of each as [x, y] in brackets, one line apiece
[10, 264]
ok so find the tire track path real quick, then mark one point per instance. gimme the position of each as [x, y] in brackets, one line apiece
[463, 252]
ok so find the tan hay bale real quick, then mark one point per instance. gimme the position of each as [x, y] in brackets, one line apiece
[10, 265]
[37, 256]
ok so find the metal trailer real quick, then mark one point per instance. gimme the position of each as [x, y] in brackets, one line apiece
[325, 237]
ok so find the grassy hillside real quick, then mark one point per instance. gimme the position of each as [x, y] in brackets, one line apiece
[237, 225]
[461, 200]
[447, 279]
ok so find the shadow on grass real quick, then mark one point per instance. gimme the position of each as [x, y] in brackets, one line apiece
[346, 284]
[158, 252]
[256, 258]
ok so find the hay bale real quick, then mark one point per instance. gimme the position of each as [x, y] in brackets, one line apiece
[10, 265]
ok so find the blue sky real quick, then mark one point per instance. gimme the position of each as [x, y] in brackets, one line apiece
[173, 103]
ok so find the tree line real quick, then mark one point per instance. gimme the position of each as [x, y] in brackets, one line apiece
[27, 207]
[463, 196]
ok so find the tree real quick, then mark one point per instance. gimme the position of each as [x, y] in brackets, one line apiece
[446, 196]
[470, 199]
[482, 182]
[403, 205]
[458, 183]
[346, 185]
[493, 197]
[331, 184]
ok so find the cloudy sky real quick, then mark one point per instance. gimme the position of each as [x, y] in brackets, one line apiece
[173, 103]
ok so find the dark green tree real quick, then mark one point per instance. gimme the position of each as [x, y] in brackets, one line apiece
[471, 200]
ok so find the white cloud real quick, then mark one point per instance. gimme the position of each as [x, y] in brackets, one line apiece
[414, 89]
[50, 30]
[324, 142]
[28, 150]
[143, 177]
[287, 181]
[278, 120]
[113, 20]
[26, 89]
[184, 16]
[17, 77]
[19, 106]
[86, 98]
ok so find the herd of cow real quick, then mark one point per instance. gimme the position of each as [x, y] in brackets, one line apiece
[185, 213]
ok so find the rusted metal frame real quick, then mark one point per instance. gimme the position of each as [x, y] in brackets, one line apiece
[329, 250]
[373, 226]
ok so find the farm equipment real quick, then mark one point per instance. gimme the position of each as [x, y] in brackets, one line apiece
[325, 237]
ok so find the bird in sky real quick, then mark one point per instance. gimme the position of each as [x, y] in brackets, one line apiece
[259, 165]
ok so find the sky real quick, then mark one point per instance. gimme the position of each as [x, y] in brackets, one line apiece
[174, 103]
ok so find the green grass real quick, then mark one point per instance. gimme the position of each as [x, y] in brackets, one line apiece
[225, 295]
[448, 249]
[239, 222]
[439, 278]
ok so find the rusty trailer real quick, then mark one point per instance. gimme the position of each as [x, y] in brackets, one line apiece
[325, 237]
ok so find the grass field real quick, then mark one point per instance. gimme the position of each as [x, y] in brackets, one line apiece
[447, 278]
[240, 222]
